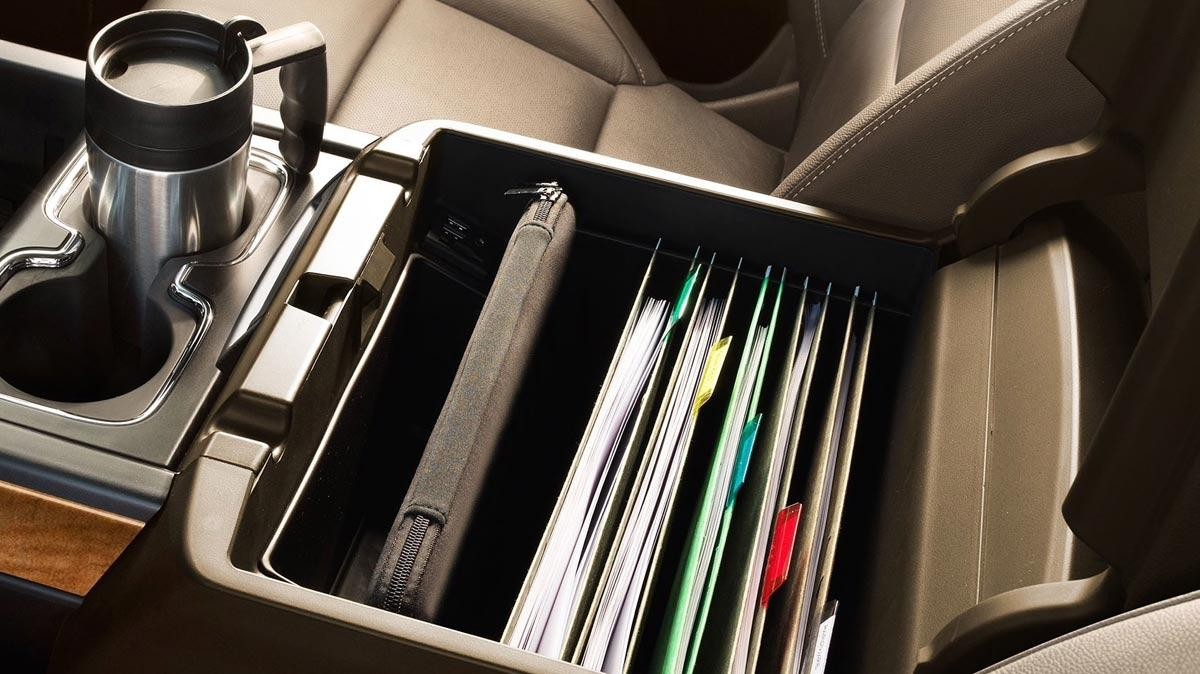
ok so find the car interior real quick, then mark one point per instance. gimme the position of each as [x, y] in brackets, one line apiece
[600, 335]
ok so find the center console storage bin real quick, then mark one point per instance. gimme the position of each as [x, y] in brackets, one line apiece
[317, 517]
[336, 526]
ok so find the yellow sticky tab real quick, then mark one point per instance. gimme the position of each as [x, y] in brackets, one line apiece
[712, 370]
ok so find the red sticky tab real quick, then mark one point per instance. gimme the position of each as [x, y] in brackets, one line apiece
[779, 558]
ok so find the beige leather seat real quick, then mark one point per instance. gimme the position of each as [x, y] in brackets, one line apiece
[906, 106]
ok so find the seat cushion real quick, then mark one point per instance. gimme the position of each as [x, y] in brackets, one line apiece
[591, 34]
[434, 61]
[911, 105]
[664, 127]
[567, 71]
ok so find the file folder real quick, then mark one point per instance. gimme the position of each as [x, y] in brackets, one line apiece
[730, 639]
[791, 625]
[609, 634]
[595, 559]
[673, 647]
[821, 624]
[516, 631]
[679, 513]
[796, 407]
[746, 451]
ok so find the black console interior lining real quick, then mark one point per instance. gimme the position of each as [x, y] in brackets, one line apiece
[41, 114]
[470, 175]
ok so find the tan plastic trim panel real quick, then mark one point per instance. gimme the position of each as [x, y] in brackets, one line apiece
[1014, 359]
[58, 543]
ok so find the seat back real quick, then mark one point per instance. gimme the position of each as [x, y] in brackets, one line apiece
[909, 106]
[815, 26]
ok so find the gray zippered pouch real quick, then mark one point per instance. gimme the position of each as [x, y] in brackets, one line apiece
[426, 538]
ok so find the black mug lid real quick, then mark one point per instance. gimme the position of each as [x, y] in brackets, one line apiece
[161, 95]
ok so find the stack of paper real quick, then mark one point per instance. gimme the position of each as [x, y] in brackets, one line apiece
[541, 625]
[772, 521]
[797, 635]
[557, 585]
[608, 639]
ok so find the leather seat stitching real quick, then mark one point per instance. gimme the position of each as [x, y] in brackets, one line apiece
[625, 47]
[924, 89]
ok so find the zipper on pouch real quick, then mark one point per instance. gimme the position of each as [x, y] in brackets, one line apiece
[404, 564]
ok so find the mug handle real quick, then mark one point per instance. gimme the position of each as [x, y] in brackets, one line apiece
[300, 50]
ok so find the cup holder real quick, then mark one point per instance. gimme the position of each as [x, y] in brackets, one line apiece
[66, 347]
[78, 353]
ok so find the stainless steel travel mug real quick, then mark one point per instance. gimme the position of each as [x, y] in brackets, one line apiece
[168, 107]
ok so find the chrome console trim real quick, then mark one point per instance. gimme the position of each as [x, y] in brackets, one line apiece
[51, 258]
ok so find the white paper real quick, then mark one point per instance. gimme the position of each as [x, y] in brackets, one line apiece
[606, 645]
[542, 623]
[824, 637]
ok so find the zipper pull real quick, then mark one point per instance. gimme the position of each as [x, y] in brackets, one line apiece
[545, 195]
[546, 191]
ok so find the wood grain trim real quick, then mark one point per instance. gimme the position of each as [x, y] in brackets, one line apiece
[56, 542]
